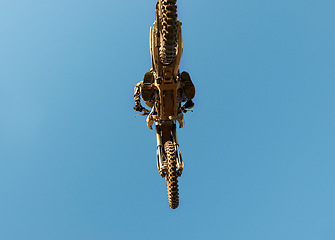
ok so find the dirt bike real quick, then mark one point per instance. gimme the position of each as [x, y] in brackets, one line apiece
[166, 48]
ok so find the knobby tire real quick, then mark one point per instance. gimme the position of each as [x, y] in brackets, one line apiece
[171, 175]
[168, 31]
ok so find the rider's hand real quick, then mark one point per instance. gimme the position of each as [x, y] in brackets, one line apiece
[138, 108]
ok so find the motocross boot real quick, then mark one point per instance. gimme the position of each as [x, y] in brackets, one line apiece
[147, 86]
[137, 98]
[188, 87]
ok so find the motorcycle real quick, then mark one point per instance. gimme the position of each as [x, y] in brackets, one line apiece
[166, 48]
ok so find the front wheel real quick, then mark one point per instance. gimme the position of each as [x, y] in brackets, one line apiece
[171, 175]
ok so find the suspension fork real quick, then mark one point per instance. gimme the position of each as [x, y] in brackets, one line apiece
[161, 166]
[180, 163]
[161, 163]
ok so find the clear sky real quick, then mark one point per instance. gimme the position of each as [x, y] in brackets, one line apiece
[259, 147]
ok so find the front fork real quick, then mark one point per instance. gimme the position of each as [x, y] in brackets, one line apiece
[161, 157]
[161, 163]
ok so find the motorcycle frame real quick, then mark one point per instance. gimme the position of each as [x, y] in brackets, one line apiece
[166, 82]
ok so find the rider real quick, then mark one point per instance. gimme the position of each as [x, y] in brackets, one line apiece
[145, 88]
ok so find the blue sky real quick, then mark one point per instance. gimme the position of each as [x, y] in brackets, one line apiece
[258, 148]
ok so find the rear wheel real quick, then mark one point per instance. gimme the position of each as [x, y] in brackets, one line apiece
[171, 175]
[168, 25]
